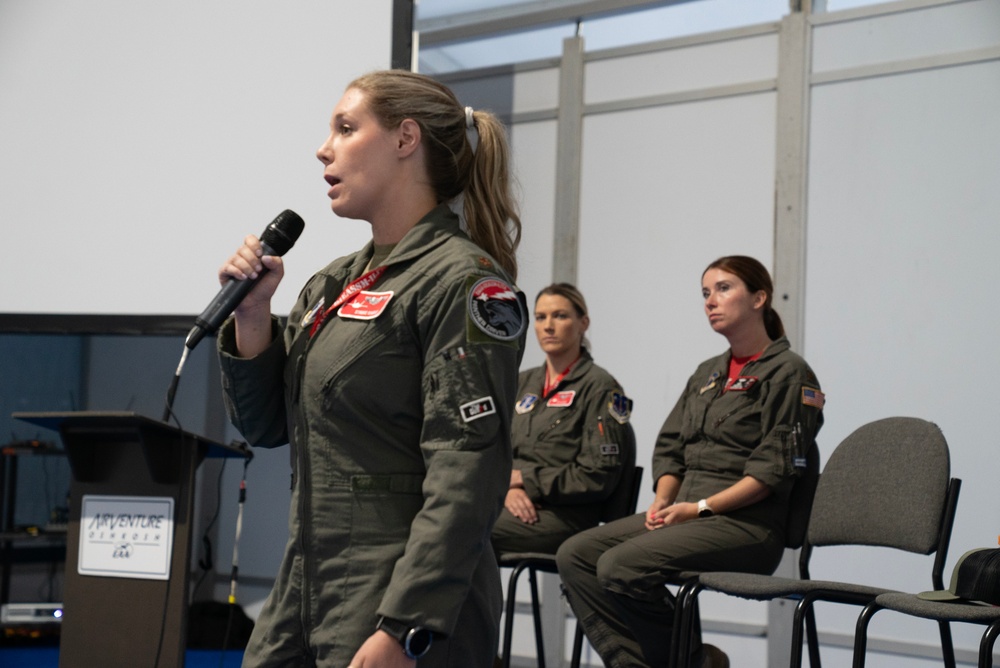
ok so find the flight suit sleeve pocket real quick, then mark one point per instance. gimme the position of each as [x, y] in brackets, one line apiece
[774, 459]
[461, 407]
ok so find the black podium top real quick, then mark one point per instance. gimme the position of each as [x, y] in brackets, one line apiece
[56, 420]
[86, 434]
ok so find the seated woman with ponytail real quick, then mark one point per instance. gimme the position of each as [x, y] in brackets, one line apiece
[723, 469]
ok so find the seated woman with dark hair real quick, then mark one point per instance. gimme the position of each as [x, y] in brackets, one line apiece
[724, 466]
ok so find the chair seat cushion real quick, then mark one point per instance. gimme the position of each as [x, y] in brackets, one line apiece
[540, 561]
[939, 610]
[766, 587]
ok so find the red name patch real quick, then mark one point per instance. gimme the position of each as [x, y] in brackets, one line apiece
[365, 305]
[561, 399]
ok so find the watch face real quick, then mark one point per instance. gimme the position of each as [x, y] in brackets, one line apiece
[418, 641]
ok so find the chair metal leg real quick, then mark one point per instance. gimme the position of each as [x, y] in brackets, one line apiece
[508, 622]
[801, 610]
[861, 633]
[536, 615]
[685, 612]
[987, 643]
[805, 619]
[812, 637]
[577, 647]
[947, 647]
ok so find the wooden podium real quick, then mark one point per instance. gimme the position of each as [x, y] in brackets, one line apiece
[115, 617]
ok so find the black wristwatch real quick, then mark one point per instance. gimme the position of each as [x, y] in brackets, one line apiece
[416, 640]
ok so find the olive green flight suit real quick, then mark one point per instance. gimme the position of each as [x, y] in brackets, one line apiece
[571, 447]
[615, 574]
[398, 414]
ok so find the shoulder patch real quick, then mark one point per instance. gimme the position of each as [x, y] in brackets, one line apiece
[812, 397]
[495, 309]
[620, 407]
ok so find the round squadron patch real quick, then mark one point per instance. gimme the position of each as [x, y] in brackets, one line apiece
[496, 310]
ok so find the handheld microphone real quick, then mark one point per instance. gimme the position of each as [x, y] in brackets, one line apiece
[277, 239]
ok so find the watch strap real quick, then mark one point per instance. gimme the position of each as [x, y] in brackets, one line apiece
[415, 640]
[705, 510]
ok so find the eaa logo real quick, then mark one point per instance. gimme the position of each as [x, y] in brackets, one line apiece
[122, 551]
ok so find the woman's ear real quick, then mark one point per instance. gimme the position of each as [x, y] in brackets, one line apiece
[408, 137]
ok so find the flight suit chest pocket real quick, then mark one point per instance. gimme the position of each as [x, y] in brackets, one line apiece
[555, 423]
[735, 411]
[379, 347]
[693, 420]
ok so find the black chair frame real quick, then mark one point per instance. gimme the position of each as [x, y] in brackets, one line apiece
[537, 562]
[804, 618]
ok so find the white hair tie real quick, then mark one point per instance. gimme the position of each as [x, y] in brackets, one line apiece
[471, 131]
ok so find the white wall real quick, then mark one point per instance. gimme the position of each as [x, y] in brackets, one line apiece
[140, 142]
[903, 244]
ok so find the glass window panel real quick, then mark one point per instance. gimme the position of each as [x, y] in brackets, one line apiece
[685, 18]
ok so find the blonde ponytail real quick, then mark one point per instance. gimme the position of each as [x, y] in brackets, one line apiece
[481, 173]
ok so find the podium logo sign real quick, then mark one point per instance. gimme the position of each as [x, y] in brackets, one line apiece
[126, 536]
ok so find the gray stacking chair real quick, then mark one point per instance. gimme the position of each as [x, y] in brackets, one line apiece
[939, 611]
[621, 503]
[887, 484]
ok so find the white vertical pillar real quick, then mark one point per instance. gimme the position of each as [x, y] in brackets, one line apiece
[569, 137]
[794, 65]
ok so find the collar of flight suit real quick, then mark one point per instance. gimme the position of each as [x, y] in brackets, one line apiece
[436, 227]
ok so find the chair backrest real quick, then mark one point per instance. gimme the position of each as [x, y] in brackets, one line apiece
[625, 496]
[887, 484]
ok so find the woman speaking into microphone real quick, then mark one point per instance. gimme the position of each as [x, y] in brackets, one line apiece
[394, 381]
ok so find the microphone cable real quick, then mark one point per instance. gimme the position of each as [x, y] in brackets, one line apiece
[168, 410]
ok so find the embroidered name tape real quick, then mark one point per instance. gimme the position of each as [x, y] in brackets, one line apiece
[477, 409]
[365, 305]
[561, 399]
[742, 384]
[609, 449]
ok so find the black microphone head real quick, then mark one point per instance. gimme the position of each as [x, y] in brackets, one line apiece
[283, 232]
